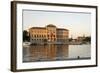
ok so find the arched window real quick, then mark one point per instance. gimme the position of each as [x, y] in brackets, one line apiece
[48, 35]
[35, 36]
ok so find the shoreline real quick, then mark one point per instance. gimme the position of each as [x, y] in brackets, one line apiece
[55, 43]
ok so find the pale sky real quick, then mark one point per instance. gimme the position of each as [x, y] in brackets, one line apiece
[78, 24]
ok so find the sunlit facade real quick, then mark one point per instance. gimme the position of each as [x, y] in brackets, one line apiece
[50, 34]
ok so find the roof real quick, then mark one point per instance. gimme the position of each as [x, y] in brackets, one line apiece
[51, 25]
[62, 29]
[37, 28]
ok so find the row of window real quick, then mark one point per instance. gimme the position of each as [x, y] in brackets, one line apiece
[39, 31]
[44, 31]
[38, 39]
[50, 39]
[42, 39]
[43, 36]
[38, 36]
[49, 31]
[62, 35]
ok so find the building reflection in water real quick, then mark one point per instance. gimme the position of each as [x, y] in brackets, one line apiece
[45, 53]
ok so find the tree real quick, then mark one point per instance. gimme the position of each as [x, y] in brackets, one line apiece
[70, 39]
[26, 37]
[87, 39]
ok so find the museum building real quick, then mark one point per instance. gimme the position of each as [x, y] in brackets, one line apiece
[48, 34]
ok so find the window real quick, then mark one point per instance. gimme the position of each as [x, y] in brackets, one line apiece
[34, 35]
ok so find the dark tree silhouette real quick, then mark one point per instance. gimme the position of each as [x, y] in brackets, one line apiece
[87, 39]
[26, 36]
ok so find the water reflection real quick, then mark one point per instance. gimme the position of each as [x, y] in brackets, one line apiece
[55, 52]
[45, 52]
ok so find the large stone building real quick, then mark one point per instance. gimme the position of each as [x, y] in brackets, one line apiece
[48, 34]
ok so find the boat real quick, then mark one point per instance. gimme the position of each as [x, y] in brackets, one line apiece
[26, 43]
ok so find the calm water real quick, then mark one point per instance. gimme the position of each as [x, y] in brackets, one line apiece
[56, 52]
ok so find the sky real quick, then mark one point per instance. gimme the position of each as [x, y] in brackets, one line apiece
[78, 24]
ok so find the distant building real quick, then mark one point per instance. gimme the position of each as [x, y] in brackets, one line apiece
[50, 33]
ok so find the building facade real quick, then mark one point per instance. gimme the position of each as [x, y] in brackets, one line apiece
[48, 34]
